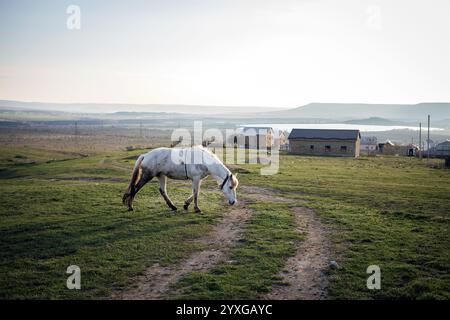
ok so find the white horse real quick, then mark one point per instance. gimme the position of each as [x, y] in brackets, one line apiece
[194, 163]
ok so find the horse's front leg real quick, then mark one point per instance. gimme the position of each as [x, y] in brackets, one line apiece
[188, 202]
[196, 187]
[163, 191]
[134, 189]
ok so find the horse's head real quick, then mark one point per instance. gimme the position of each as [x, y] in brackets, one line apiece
[228, 187]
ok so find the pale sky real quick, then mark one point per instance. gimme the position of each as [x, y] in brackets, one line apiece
[226, 52]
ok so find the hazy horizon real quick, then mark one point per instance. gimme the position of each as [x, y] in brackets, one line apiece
[314, 110]
[274, 54]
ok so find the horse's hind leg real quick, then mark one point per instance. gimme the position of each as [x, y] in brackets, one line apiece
[163, 191]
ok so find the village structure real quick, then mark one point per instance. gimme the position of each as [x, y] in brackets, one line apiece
[369, 145]
[328, 142]
[441, 149]
[260, 138]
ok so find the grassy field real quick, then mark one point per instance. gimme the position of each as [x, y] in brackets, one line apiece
[387, 211]
[62, 208]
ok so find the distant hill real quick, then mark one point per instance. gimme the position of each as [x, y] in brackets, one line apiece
[357, 113]
[128, 108]
[346, 111]
[378, 122]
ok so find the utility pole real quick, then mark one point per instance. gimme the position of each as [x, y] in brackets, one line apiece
[428, 140]
[76, 131]
[420, 141]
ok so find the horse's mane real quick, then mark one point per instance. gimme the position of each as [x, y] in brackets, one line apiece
[208, 152]
[213, 155]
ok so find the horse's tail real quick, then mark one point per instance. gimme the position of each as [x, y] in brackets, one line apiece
[130, 192]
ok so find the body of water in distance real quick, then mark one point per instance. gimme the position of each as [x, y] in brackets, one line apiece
[341, 126]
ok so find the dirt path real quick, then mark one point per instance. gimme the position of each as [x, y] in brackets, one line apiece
[303, 273]
[155, 283]
[263, 194]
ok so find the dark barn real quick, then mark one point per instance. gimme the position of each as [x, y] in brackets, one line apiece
[325, 142]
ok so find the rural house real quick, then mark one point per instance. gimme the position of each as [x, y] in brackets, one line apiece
[328, 142]
[441, 150]
[282, 140]
[369, 145]
[255, 137]
[389, 148]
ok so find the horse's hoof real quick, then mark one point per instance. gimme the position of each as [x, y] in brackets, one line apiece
[130, 209]
[186, 207]
[174, 208]
[197, 210]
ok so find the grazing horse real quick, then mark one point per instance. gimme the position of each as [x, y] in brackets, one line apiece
[194, 163]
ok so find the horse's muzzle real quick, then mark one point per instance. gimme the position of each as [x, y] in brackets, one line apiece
[231, 202]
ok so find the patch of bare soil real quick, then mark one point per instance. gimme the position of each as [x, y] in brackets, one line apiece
[157, 280]
[303, 274]
[264, 194]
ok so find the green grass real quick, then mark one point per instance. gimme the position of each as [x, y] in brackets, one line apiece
[18, 156]
[37, 163]
[268, 241]
[388, 211]
[49, 224]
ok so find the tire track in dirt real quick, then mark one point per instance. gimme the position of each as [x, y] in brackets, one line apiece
[304, 273]
[156, 282]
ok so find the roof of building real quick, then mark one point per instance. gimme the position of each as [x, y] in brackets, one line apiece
[388, 142]
[257, 128]
[324, 134]
[366, 140]
[254, 131]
